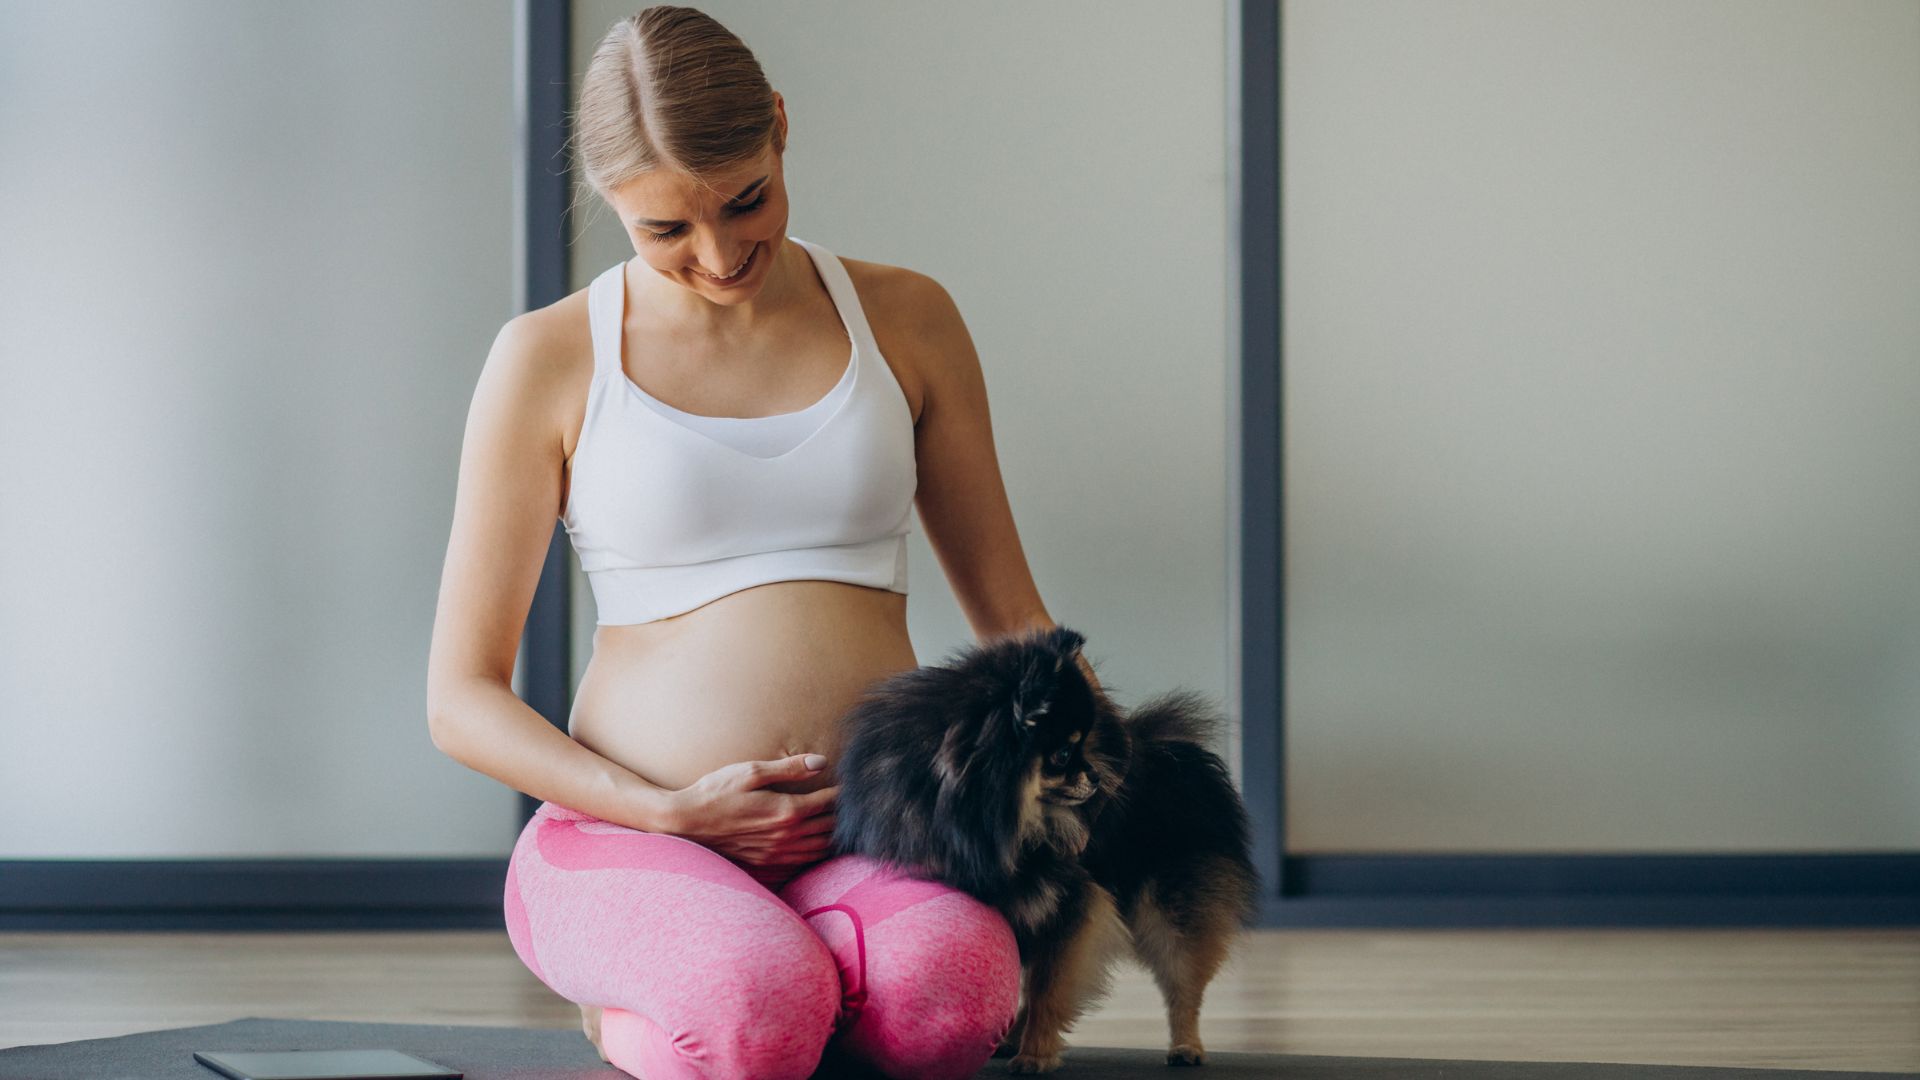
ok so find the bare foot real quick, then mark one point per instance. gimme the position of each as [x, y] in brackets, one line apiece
[590, 1023]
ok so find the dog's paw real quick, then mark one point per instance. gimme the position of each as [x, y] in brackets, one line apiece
[1034, 1063]
[1187, 1054]
[590, 1023]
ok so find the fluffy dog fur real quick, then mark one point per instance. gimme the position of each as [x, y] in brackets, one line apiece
[1006, 774]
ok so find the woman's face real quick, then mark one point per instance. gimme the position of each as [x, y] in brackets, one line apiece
[694, 235]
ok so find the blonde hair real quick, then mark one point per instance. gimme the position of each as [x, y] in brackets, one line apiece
[671, 88]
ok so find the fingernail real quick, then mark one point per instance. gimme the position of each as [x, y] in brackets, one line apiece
[815, 761]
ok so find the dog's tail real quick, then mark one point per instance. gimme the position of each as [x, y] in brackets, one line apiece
[1188, 783]
[1178, 715]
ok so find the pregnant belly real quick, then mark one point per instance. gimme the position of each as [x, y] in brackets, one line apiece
[762, 673]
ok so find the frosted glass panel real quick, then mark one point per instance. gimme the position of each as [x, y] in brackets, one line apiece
[1602, 426]
[254, 256]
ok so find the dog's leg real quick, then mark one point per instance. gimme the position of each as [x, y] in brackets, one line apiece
[1183, 961]
[1067, 976]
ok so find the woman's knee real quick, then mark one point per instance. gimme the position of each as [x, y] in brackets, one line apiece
[669, 930]
[519, 932]
[757, 1001]
[766, 1009]
[946, 987]
[970, 967]
[786, 1042]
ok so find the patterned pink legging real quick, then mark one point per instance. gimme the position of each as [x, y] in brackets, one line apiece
[705, 973]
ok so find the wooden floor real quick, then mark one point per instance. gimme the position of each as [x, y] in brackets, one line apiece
[1810, 999]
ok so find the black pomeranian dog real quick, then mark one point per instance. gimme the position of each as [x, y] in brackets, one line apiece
[1006, 774]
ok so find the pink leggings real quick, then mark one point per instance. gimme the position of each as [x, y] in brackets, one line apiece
[705, 973]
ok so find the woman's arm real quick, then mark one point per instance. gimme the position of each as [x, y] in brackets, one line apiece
[509, 494]
[962, 499]
[486, 727]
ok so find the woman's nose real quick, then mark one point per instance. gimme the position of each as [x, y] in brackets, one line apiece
[717, 259]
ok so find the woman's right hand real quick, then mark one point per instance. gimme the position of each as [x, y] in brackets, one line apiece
[769, 833]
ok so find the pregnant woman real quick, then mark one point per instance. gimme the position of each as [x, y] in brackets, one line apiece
[735, 429]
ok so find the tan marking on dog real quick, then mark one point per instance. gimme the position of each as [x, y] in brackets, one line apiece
[1058, 993]
[1032, 810]
[1183, 962]
[1034, 910]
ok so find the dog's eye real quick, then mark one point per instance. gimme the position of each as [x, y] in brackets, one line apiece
[1061, 757]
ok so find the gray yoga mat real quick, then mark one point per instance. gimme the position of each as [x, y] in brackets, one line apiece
[508, 1053]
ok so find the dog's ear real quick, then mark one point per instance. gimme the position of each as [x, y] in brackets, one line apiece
[1070, 658]
[964, 746]
[1067, 643]
[951, 760]
[1025, 718]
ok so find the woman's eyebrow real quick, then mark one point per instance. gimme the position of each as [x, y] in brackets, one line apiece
[735, 199]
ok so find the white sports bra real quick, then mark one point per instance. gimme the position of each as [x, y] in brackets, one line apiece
[669, 509]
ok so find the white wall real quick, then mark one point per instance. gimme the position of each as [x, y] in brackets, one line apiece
[1602, 472]
[254, 257]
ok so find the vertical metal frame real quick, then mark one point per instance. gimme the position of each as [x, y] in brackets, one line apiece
[544, 175]
[1253, 199]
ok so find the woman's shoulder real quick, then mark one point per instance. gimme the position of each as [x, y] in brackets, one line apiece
[551, 348]
[560, 337]
[560, 328]
[900, 291]
[905, 309]
[914, 306]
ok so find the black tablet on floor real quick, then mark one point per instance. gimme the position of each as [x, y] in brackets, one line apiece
[323, 1065]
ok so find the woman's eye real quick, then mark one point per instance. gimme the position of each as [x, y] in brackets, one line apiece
[739, 211]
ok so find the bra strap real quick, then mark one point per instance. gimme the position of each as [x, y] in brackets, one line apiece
[606, 310]
[840, 287]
